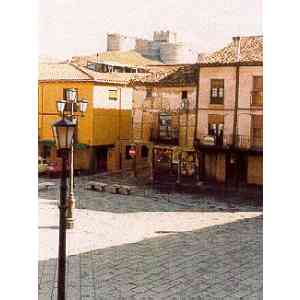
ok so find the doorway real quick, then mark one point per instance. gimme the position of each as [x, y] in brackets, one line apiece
[243, 169]
[236, 169]
[231, 168]
[101, 159]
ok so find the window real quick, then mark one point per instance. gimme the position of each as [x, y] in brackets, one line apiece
[217, 91]
[144, 151]
[216, 128]
[165, 125]
[257, 92]
[165, 119]
[127, 154]
[67, 95]
[46, 151]
[257, 130]
[91, 66]
[113, 95]
[149, 92]
[184, 95]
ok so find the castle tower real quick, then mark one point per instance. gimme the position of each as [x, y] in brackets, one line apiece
[118, 42]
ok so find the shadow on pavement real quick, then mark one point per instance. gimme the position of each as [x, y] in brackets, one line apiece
[49, 227]
[217, 262]
[161, 197]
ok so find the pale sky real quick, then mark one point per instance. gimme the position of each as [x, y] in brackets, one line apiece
[73, 27]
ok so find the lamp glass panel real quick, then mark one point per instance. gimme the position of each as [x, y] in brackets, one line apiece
[60, 105]
[62, 137]
[83, 106]
[55, 137]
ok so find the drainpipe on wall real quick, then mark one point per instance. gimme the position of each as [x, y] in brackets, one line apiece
[236, 42]
[197, 105]
[237, 45]
[187, 123]
[200, 161]
[119, 129]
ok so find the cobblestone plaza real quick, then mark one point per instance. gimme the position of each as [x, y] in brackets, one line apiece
[152, 245]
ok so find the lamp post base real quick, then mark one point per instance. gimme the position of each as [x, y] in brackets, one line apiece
[70, 220]
[70, 223]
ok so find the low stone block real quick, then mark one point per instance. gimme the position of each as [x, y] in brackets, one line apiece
[125, 189]
[114, 189]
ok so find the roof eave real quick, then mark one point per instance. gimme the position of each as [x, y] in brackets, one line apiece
[163, 84]
[64, 80]
[234, 64]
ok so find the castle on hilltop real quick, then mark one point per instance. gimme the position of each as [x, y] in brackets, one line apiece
[163, 47]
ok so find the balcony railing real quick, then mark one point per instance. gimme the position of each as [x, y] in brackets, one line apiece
[226, 141]
[257, 142]
[215, 141]
[257, 98]
[166, 135]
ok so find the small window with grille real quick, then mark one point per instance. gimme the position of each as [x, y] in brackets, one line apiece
[149, 92]
[113, 95]
[184, 95]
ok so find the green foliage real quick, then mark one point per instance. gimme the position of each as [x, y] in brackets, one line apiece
[49, 143]
[80, 146]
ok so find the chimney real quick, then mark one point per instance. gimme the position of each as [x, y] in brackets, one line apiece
[237, 46]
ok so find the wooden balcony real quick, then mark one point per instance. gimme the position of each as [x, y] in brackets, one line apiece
[246, 142]
[213, 141]
[225, 142]
[165, 136]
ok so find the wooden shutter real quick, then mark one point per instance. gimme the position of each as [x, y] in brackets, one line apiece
[257, 131]
[217, 83]
[215, 119]
[257, 121]
[257, 83]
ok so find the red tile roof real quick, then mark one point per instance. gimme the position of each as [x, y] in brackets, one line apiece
[170, 75]
[71, 72]
[60, 71]
[129, 58]
[251, 51]
[114, 77]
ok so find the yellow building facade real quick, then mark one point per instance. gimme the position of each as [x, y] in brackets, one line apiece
[107, 122]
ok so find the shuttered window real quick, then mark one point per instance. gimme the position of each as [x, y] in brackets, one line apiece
[216, 119]
[257, 92]
[257, 83]
[257, 130]
[217, 91]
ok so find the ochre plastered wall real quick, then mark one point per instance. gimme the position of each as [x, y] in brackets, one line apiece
[49, 93]
[112, 118]
[105, 122]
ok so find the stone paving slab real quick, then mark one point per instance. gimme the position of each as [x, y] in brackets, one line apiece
[87, 280]
[138, 247]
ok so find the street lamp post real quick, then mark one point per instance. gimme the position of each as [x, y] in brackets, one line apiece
[63, 131]
[71, 102]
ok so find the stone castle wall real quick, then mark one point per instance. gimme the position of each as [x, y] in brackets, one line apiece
[164, 47]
